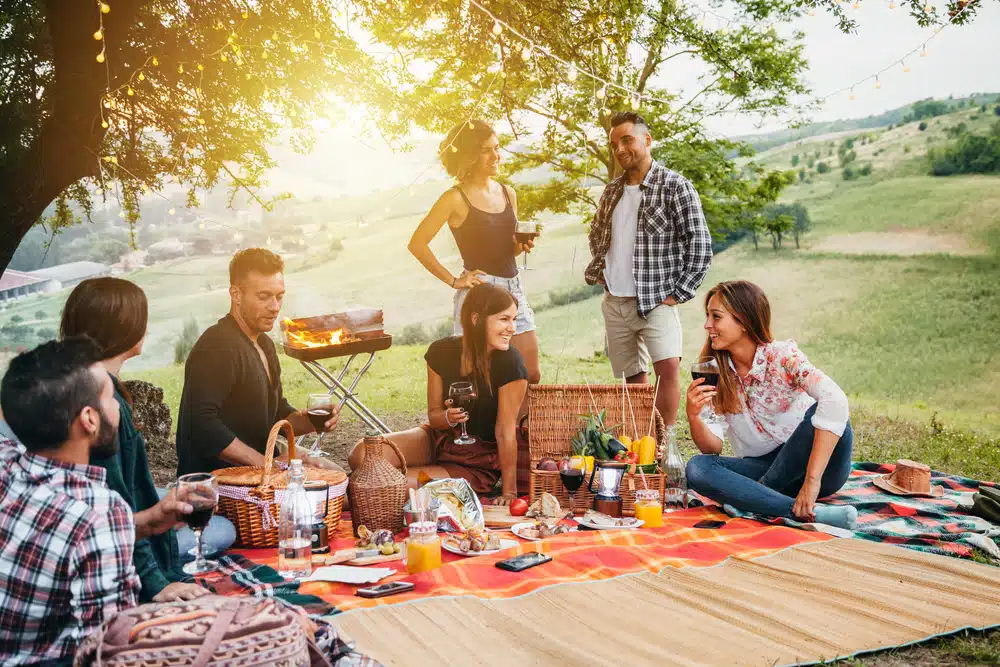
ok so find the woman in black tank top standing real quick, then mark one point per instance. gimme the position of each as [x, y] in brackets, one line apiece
[482, 215]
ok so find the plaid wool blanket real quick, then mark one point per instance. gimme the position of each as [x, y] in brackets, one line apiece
[936, 525]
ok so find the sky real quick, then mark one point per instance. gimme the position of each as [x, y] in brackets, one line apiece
[960, 60]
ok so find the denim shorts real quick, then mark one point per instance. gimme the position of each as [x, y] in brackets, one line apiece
[525, 315]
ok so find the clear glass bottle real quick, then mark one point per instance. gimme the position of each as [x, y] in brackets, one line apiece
[295, 521]
[672, 464]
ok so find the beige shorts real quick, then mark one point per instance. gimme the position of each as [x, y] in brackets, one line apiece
[634, 340]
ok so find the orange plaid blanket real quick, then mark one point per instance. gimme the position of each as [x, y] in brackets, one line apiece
[576, 557]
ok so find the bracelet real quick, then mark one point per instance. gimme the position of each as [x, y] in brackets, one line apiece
[448, 420]
[454, 281]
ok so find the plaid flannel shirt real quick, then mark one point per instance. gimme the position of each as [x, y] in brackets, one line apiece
[66, 545]
[673, 248]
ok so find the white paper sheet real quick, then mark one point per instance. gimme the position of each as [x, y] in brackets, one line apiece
[347, 574]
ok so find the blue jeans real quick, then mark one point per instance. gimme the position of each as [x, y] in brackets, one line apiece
[769, 484]
[219, 535]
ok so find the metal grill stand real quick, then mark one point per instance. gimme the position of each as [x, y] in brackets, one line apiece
[344, 393]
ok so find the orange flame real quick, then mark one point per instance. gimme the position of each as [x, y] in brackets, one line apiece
[299, 337]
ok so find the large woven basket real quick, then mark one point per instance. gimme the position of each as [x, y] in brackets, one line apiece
[378, 490]
[250, 497]
[554, 418]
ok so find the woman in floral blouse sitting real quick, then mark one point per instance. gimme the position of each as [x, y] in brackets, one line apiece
[788, 423]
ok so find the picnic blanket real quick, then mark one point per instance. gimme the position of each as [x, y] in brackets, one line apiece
[577, 557]
[935, 525]
[803, 605]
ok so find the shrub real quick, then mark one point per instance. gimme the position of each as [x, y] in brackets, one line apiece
[922, 126]
[802, 174]
[570, 295]
[822, 167]
[817, 154]
[849, 174]
[46, 334]
[444, 329]
[866, 170]
[795, 160]
[906, 148]
[811, 162]
[17, 319]
[970, 154]
[996, 110]
[39, 314]
[847, 158]
[186, 341]
[413, 334]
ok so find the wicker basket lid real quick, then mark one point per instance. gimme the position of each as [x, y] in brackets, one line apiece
[254, 476]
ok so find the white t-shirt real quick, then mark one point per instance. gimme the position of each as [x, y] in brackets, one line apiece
[618, 262]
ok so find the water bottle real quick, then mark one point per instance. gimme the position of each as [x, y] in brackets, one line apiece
[295, 527]
[672, 464]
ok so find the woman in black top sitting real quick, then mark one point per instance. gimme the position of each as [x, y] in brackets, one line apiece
[483, 355]
[482, 216]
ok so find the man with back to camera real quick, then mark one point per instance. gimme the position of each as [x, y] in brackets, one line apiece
[651, 249]
[66, 539]
[232, 378]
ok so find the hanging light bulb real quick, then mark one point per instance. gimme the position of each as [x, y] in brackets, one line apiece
[851, 96]
[526, 52]
[572, 74]
[107, 103]
[105, 8]
[923, 51]
[316, 34]
[269, 240]
[223, 57]
[201, 68]
[497, 28]
[104, 124]
[453, 149]
[928, 9]
[892, 5]
[142, 77]
[130, 91]
[602, 92]
[172, 211]
[878, 84]
[636, 101]
[471, 126]
[856, 5]
[245, 15]
[99, 35]
[812, 12]
[180, 69]
[156, 62]
[100, 57]
[906, 68]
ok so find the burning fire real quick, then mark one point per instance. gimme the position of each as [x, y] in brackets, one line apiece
[302, 338]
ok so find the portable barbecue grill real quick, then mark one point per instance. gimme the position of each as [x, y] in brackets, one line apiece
[350, 334]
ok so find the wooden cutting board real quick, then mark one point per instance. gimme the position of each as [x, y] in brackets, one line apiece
[345, 557]
[498, 516]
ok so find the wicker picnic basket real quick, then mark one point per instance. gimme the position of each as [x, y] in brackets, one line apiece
[553, 419]
[250, 497]
[378, 491]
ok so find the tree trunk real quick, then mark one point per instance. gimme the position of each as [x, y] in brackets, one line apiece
[754, 234]
[67, 146]
[796, 239]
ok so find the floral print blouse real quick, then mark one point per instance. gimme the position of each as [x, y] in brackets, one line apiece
[776, 393]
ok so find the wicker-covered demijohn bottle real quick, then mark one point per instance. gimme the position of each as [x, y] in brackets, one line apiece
[378, 490]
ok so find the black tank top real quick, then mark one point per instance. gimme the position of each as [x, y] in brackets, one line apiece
[486, 240]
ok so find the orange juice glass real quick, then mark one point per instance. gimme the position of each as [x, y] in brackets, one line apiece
[649, 508]
[423, 548]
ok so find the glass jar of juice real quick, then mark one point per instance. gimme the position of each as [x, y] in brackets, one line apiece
[423, 547]
[648, 508]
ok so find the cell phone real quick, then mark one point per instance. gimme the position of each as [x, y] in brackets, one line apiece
[523, 562]
[710, 524]
[383, 590]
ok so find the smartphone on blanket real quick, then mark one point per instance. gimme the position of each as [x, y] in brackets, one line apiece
[523, 562]
[710, 524]
[383, 590]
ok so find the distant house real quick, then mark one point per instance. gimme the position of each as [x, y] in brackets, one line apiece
[69, 275]
[17, 284]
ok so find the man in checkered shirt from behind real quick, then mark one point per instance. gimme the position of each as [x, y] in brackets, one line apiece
[651, 250]
[66, 539]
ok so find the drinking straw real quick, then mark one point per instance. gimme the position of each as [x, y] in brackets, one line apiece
[656, 390]
[593, 406]
[623, 401]
[629, 397]
[413, 500]
[643, 476]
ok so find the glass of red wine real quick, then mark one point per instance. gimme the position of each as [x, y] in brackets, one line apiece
[319, 408]
[707, 368]
[198, 490]
[571, 473]
[463, 395]
[524, 232]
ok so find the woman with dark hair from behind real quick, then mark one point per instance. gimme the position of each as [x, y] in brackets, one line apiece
[483, 355]
[113, 313]
[482, 216]
[788, 422]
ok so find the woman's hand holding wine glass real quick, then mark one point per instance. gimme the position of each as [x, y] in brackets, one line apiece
[463, 395]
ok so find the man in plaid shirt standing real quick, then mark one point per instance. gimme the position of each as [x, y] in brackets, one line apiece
[651, 250]
[66, 540]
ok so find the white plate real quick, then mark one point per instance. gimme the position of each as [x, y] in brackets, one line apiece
[448, 545]
[638, 523]
[518, 527]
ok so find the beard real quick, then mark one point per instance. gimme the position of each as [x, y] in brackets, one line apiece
[106, 445]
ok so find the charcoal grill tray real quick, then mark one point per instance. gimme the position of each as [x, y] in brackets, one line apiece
[364, 346]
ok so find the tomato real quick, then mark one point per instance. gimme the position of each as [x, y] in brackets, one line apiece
[519, 507]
